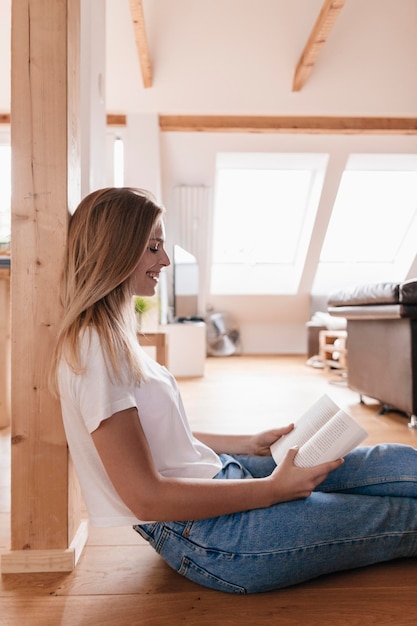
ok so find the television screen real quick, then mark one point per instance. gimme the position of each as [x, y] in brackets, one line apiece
[186, 284]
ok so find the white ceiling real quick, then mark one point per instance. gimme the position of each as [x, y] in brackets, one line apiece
[239, 57]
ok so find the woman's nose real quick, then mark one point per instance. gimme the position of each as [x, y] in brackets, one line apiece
[165, 259]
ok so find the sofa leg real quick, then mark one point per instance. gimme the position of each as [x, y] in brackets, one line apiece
[413, 422]
[387, 408]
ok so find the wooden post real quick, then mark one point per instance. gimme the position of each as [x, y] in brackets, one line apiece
[46, 531]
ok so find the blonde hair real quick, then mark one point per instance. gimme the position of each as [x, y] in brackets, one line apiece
[107, 237]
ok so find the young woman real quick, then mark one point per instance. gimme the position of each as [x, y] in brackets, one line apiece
[216, 507]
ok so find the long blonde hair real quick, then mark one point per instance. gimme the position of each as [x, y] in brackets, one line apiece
[107, 236]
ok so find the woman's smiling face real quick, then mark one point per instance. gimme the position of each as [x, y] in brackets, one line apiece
[146, 275]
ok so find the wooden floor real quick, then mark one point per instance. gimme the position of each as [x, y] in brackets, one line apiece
[119, 579]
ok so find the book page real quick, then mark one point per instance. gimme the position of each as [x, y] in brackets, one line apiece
[335, 439]
[305, 427]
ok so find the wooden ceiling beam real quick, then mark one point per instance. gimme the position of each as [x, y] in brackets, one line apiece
[291, 124]
[138, 19]
[274, 124]
[112, 119]
[116, 119]
[326, 20]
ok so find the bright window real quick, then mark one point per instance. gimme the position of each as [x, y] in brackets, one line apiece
[372, 232]
[119, 163]
[5, 192]
[265, 205]
[115, 157]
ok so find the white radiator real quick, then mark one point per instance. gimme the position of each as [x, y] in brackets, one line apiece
[194, 206]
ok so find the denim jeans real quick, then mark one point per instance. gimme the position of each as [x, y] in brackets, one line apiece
[363, 513]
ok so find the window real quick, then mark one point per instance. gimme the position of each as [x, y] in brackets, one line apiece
[373, 228]
[264, 210]
[5, 187]
[115, 157]
[119, 164]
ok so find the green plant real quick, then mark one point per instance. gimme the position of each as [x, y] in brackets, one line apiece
[142, 304]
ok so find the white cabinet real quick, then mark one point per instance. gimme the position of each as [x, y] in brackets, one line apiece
[186, 348]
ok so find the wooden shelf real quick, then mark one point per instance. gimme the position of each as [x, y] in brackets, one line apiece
[160, 341]
[332, 349]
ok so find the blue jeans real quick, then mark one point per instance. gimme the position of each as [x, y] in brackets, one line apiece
[363, 513]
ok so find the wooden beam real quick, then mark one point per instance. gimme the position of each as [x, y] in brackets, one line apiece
[300, 125]
[116, 120]
[321, 30]
[138, 19]
[45, 503]
[113, 119]
[275, 124]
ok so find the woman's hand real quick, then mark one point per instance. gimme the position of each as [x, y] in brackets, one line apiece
[292, 483]
[258, 444]
[261, 442]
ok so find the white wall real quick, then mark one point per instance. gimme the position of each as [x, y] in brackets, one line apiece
[142, 153]
[92, 94]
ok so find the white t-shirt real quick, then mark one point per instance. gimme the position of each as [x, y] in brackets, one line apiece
[90, 398]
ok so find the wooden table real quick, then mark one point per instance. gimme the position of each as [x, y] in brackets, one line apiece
[160, 341]
[333, 343]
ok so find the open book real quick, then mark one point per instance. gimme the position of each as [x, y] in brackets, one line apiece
[324, 433]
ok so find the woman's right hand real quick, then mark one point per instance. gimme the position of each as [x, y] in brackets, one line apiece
[290, 482]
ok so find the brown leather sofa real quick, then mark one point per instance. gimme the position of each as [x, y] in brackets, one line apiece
[382, 342]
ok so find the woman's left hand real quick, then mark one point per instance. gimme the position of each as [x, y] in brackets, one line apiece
[261, 442]
[258, 444]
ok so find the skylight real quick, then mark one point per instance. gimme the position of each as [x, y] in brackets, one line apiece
[265, 205]
[372, 232]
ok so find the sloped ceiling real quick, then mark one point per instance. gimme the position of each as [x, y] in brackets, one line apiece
[241, 57]
[325, 21]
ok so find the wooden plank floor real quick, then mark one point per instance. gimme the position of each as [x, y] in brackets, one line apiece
[121, 581]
